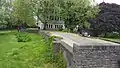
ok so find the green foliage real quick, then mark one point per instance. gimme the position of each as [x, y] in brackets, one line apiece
[61, 63]
[23, 12]
[60, 29]
[86, 25]
[112, 35]
[66, 30]
[58, 60]
[73, 12]
[37, 53]
[4, 13]
[77, 12]
[23, 37]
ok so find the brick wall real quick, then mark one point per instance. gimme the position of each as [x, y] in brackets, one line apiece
[104, 56]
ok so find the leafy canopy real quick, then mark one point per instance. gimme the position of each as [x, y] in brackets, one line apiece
[23, 11]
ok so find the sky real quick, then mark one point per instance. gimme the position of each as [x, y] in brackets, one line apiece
[109, 1]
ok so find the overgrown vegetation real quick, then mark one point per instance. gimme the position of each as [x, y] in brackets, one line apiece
[36, 53]
[23, 37]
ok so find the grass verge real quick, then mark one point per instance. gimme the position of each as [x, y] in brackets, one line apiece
[111, 40]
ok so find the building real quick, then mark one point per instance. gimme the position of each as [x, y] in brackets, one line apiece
[52, 25]
[55, 25]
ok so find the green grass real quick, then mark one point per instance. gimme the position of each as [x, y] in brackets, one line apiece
[36, 53]
[7, 42]
[112, 39]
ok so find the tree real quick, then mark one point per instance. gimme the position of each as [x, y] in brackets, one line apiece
[108, 19]
[40, 10]
[73, 12]
[77, 12]
[23, 11]
[6, 17]
[45, 10]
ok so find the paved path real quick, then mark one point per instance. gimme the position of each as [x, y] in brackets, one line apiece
[71, 38]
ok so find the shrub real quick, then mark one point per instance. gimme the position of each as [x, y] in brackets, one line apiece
[66, 30]
[23, 37]
[60, 29]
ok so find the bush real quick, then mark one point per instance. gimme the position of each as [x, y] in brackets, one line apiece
[23, 37]
[60, 29]
[66, 30]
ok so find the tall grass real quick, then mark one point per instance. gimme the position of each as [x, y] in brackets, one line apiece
[36, 53]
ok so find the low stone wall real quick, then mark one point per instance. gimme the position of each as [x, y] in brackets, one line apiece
[68, 56]
[88, 56]
[58, 46]
[96, 56]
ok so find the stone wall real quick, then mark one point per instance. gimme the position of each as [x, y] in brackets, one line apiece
[96, 56]
[88, 56]
[68, 56]
[61, 46]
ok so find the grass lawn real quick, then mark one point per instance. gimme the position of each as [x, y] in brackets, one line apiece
[36, 53]
[111, 40]
[7, 42]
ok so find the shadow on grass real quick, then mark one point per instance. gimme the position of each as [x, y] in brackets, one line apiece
[31, 31]
[6, 33]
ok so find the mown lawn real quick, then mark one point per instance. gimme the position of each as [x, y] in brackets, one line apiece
[7, 42]
[36, 53]
[116, 40]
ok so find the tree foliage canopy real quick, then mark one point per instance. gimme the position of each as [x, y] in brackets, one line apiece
[23, 12]
[4, 12]
[108, 19]
[73, 12]
[78, 12]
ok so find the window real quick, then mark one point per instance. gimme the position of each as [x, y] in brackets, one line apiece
[55, 26]
[51, 26]
[51, 18]
[61, 26]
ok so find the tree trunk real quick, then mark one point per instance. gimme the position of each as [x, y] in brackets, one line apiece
[9, 25]
[45, 24]
[71, 29]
